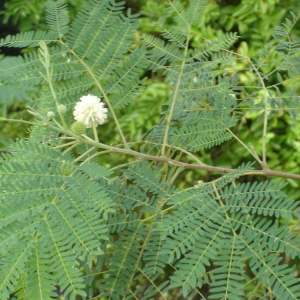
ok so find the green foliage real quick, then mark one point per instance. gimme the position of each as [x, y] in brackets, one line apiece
[254, 21]
[131, 231]
[41, 209]
[29, 15]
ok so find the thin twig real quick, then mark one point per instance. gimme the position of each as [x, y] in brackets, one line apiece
[170, 116]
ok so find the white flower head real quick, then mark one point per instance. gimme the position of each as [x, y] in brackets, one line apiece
[90, 110]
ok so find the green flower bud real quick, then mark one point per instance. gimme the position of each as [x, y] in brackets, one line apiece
[78, 128]
[61, 109]
[50, 115]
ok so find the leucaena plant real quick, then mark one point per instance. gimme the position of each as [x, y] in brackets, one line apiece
[72, 224]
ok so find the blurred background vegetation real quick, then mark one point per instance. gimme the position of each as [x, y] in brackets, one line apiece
[254, 21]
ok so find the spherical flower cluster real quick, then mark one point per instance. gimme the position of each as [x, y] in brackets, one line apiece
[61, 109]
[78, 128]
[50, 115]
[90, 110]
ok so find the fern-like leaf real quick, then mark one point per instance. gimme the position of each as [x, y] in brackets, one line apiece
[57, 17]
[27, 39]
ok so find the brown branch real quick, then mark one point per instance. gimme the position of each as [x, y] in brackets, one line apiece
[263, 172]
